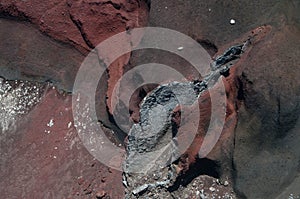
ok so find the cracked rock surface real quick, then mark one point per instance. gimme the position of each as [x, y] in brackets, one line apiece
[151, 149]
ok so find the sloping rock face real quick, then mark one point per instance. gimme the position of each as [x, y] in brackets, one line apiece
[29, 55]
[152, 148]
[42, 155]
[42, 45]
[83, 24]
[211, 20]
[265, 97]
[257, 155]
[268, 127]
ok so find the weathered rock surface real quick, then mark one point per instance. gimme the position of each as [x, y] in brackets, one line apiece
[82, 23]
[43, 157]
[152, 142]
[268, 118]
[29, 55]
[211, 20]
[266, 153]
[268, 127]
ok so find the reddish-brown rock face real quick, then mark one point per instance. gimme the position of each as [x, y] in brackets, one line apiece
[43, 156]
[49, 159]
[83, 24]
[52, 17]
[258, 151]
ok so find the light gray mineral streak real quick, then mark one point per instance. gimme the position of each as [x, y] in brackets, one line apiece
[16, 98]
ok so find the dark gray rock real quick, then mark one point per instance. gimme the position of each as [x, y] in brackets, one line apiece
[151, 147]
[267, 153]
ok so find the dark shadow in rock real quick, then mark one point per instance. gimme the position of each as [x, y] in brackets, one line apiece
[203, 166]
[209, 46]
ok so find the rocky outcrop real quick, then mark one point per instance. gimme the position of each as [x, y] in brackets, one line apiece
[268, 127]
[264, 154]
[83, 24]
[46, 42]
[152, 142]
[27, 54]
[30, 55]
[42, 155]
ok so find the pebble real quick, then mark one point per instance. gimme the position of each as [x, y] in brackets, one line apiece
[232, 21]
[212, 189]
[226, 183]
[180, 48]
[51, 123]
[101, 194]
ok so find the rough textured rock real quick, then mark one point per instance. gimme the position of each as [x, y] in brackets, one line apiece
[266, 152]
[269, 117]
[49, 160]
[83, 24]
[16, 99]
[211, 20]
[152, 142]
[52, 17]
[46, 42]
[29, 55]
[266, 131]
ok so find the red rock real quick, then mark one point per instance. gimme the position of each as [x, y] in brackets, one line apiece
[36, 169]
[83, 24]
[101, 194]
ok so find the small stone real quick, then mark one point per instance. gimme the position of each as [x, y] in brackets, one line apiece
[51, 123]
[226, 183]
[212, 189]
[101, 194]
[232, 21]
[103, 179]
[202, 195]
[80, 180]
